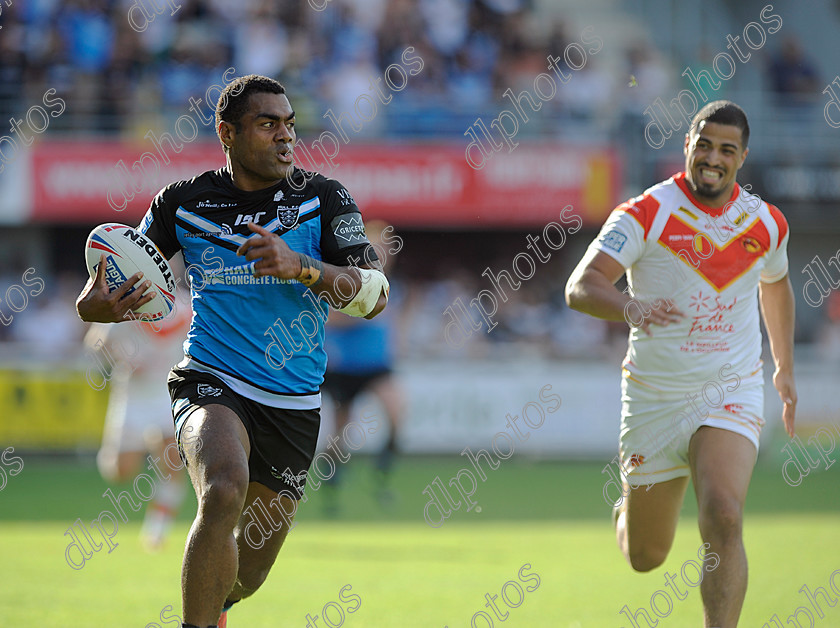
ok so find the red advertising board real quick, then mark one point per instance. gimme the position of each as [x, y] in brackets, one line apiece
[87, 182]
[419, 185]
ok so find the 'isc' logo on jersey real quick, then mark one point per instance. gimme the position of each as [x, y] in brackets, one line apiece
[244, 219]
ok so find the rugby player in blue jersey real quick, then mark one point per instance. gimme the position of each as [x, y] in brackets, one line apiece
[268, 246]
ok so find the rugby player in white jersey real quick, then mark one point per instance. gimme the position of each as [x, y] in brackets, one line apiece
[138, 421]
[701, 254]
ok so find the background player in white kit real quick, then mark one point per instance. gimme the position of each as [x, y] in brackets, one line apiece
[696, 249]
[139, 416]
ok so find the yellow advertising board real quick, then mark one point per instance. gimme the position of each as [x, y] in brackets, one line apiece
[57, 409]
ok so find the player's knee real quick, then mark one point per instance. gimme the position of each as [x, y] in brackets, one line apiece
[251, 579]
[646, 558]
[720, 517]
[223, 496]
[107, 466]
[115, 468]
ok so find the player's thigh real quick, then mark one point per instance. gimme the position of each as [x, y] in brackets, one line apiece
[655, 458]
[129, 463]
[387, 389]
[168, 452]
[652, 513]
[263, 526]
[119, 466]
[215, 447]
[721, 464]
[341, 417]
[123, 431]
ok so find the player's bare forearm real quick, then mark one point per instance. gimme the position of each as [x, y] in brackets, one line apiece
[340, 284]
[591, 292]
[591, 288]
[779, 312]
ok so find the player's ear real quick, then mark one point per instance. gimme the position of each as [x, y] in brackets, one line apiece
[743, 157]
[226, 132]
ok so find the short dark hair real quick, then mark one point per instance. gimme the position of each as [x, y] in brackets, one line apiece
[233, 101]
[723, 112]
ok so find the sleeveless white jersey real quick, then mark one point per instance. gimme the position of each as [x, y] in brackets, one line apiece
[709, 261]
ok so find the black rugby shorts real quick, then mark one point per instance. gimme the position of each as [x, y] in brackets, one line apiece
[282, 441]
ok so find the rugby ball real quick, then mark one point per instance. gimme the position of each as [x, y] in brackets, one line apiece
[128, 251]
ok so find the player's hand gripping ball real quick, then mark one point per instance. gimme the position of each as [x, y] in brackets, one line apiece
[128, 251]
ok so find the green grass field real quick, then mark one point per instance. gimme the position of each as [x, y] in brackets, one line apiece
[406, 573]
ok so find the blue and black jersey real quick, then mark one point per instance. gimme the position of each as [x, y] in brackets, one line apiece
[264, 336]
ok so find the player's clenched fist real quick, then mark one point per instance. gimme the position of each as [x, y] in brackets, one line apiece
[274, 255]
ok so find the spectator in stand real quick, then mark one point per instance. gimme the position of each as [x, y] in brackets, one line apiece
[793, 76]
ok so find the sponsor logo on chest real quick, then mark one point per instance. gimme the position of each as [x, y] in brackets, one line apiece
[244, 219]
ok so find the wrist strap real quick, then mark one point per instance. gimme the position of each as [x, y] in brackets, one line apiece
[311, 271]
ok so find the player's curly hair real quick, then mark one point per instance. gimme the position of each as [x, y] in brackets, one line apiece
[723, 112]
[233, 101]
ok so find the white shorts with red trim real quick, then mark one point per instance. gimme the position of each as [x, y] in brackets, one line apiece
[656, 426]
[138, 413]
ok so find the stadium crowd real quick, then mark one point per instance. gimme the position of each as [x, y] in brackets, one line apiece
[122, 79]
[118, 76]
[125, 74]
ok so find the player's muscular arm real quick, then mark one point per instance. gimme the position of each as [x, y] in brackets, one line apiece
[778, 311]
[591, 290]
[96, 304]
[339, 283]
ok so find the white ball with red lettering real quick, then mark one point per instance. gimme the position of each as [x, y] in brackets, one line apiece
[128, 251]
